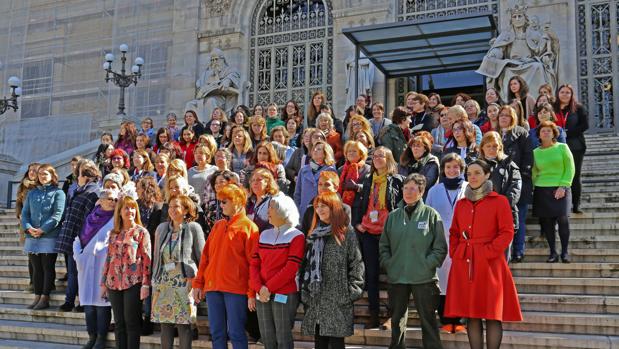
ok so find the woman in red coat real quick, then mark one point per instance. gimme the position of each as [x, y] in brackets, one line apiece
[480, 283]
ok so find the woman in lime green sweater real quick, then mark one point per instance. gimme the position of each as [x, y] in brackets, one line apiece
[553, 171]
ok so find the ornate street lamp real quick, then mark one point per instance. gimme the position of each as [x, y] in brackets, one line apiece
[11, 102]
[122, 79]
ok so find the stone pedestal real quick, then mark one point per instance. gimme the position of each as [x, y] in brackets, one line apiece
[9, 171]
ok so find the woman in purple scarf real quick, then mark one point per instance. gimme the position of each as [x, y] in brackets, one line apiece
[90, 251]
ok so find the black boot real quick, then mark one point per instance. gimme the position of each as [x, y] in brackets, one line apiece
[92, 338]
[373, 322]
[100, 343]
[147, 327]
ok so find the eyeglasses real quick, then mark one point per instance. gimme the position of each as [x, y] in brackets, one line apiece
[117, 158]
[443, 114]
[459, 128]
[355, 124]
[215, 124]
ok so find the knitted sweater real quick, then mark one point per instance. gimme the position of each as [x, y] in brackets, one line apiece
[553, 166]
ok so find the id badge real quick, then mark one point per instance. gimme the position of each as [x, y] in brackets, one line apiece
[281, 298]
[374, 216]
[169, 266]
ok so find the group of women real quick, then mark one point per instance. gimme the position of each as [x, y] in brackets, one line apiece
[256, 214]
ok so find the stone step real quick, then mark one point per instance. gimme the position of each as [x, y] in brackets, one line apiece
[577, 270]
[534, 240]
[562, 303]
[589, 255]
[578, 323]
[582, 228]
[567, 285]
[20, 283]
[18, 344]
[23, 260]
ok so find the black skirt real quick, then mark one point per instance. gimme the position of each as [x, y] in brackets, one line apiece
[546, 206]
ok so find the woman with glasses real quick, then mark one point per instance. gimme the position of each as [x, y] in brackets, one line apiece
[463, 140]
[439, 133]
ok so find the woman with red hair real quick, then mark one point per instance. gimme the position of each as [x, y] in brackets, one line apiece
[331, 274]
[224, 270]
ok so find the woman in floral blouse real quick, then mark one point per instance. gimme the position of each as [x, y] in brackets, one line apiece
[126, 274]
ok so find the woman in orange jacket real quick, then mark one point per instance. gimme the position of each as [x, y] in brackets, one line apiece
[224, 270]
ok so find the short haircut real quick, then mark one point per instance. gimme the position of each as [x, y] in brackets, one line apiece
[330, 176]
[449, 157]
[362, 149]
[324, 116]
[202, 148]
[89, 169]
[272, 187]
[485, 166]
[458, 111]
[378, 105]
[418, 179]
[286, 209]
[228, 175]
[188, 205]
[421, 98]
[284, 132]
[233, 193]
[492, 137]
[553, 127]
[398, 115]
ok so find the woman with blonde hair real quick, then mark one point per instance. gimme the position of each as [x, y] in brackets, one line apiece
[162, 162]
[356, 124]
[241, 148]
[505, 175]
[257, 130]
[126, 273]
[353, 171]
[141, 165]
[177, 168]
[322, 159]
[380, 193]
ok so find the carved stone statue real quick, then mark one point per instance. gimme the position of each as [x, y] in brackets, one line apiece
[523, 50]
[366, 79]
[218, 86]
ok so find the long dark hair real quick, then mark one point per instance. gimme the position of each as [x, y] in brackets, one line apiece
[572, 105]
[524, 88]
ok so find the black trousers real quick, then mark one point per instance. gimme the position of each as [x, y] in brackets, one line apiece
[441, 314]
[127, 308]
[43, 272]
[325, 342]
[426, 297]
[369, 251]
[578, 155]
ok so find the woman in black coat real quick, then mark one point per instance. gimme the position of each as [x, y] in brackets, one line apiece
[417, 158]
[505, 175]
[517, 146]
[576, 123]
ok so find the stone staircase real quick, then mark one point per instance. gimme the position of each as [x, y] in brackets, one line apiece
[564, 305]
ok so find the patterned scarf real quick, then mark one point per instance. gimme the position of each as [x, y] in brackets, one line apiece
[479, 193]
[312, 278]
[381, 181]
[350, 171]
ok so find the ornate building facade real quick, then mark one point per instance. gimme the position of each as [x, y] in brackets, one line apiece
[283, 49]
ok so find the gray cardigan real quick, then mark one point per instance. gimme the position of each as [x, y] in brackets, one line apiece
[191, 242]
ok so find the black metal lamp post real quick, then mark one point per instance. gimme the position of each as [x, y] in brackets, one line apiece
[122, 79]
[11, 102]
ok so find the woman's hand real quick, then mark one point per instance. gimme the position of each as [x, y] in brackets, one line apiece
[144, 292]
[251, 304]
[198, 295]
[560, 193]
[360, 228]
[35, 232]
[103, 291]
[264, 294]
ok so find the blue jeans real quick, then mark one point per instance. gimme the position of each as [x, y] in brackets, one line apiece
[71, 291]
[227, 314]
[97, 319]
[519, 235]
